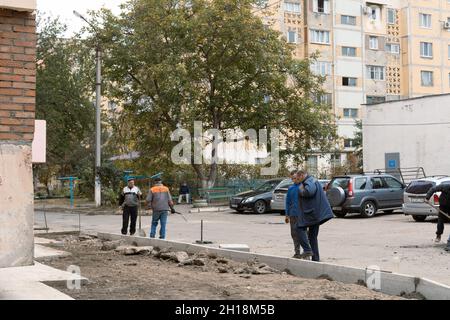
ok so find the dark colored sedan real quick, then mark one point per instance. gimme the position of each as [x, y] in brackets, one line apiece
[257, 200]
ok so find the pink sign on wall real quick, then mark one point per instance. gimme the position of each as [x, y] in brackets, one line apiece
[39, 145]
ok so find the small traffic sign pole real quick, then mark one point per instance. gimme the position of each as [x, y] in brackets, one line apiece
[201, 241]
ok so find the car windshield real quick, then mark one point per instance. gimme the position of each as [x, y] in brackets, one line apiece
[340, 182]
[267, 186]
[420, 187]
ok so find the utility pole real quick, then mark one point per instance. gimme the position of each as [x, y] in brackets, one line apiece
[98, 129]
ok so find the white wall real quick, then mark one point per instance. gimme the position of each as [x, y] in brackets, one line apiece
[419, 129]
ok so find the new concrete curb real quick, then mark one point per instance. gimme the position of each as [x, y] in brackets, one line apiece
[209, 209]
[390, 283]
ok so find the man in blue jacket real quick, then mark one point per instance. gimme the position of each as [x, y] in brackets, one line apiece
[292, 211]
[314, 211]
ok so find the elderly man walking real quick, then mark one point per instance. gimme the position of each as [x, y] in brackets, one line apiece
[160, 201]
[130, 200]
[314, 211]
[292, 212]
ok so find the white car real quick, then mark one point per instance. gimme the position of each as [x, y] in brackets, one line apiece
[414, 197]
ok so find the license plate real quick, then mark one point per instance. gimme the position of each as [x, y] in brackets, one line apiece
[234, 205]
[416, 200]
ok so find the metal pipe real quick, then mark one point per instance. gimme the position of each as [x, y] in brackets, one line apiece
[98, 97]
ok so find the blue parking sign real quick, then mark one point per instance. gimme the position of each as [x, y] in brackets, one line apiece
[392, 164]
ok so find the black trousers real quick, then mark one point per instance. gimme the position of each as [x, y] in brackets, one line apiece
[129, 212]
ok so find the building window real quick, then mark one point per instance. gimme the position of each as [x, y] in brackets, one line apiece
[449, 79]
[312, 165]
[374, 13]
[393, 48]
[391, 15]
[425, 20]
[349, 82]
[375, 72]
[375, 99]
[349, 51]
[448, 54]
[373, 42]
[320, 36]
[426, 50]
[292, 7]
[335, 160]
[426, 78]
[321, 68]
[350, 20]
[321, 6]
[325, 98]
[349, 143]
[350, 113]
[292, 37]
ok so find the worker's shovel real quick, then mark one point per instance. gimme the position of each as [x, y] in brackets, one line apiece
[141, 231]
[439, 209]
[182, 215]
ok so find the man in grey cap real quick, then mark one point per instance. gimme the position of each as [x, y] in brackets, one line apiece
[130, 196]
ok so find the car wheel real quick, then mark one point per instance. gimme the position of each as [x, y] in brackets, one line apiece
[260, 206]
[340, 214]
[419, 218]
[388, 211]
[368, 209]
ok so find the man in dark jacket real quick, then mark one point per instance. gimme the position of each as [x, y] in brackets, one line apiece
[292, 211]
[314, 211]
[444, 205]
[184, 192]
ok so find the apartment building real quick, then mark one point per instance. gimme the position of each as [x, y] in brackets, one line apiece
[370, 52]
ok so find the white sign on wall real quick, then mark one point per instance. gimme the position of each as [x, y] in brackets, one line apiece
[39, 145]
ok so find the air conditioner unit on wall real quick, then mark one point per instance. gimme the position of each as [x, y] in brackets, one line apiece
[446, 25]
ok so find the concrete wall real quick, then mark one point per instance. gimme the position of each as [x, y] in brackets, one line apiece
[419, 129]
[17, 107]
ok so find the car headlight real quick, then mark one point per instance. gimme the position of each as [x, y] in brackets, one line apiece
[249, 199]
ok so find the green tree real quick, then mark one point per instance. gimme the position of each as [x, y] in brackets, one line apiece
[175, 62]
[63, 99]
[358, 142]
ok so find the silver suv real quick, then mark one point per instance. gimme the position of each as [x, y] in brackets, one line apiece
[414, 197]
[365, 194]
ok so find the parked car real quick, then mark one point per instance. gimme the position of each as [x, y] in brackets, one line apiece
[279, 194]
[257, 200]
[414, 197]
[365, 194]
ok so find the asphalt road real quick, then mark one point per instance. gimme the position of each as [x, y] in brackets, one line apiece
[394, 242]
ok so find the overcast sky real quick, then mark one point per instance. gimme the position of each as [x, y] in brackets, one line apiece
[64, 9]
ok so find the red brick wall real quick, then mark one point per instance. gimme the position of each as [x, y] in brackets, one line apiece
[17, 75]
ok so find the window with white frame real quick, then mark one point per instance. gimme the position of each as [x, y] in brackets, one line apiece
[349, 51]
[349, 82]
[391, 15]
[373, 43]
[425, 20]
[426, 50]
[321, 6]
[393, 48]
[375, 72]
[322, 68]
[292, 36]
[292, 7]
[426, 78]
[335, 160]
[375, 13]
[320, 36]
[349, 143]
[350, 113]
[349, 20]
[312, 164]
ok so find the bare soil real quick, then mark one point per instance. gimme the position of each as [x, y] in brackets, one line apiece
[113, 275]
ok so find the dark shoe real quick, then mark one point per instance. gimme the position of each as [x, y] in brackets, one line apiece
[132, 234]
[438, 239]
[296, 256]
[306, 256]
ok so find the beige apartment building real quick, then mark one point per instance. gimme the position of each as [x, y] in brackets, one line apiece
[370, 52]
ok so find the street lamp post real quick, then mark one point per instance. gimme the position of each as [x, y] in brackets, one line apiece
[98, 97]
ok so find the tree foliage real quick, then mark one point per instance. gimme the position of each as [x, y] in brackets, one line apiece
[64, 99]
[175, 62]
